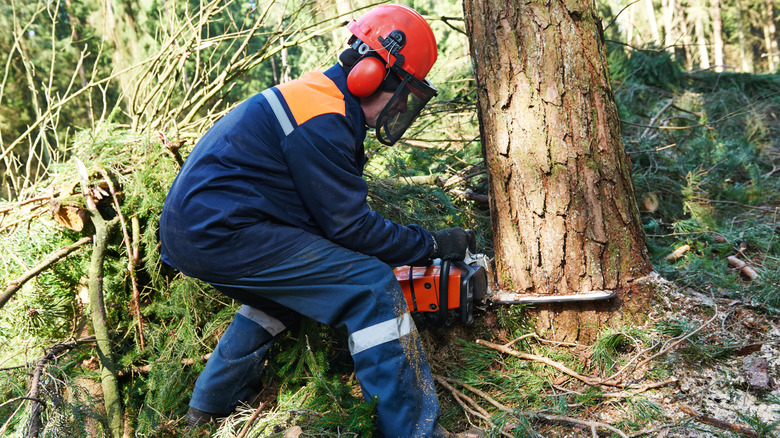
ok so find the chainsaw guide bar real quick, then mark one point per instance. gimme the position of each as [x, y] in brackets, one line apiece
[447, 291]
[513, 298]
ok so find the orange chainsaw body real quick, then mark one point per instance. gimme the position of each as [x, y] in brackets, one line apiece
[444, 290]
[422, 292]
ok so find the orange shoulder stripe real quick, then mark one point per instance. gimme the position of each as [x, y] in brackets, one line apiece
[312, 95]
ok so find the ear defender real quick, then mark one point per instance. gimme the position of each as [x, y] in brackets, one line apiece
[366, 76]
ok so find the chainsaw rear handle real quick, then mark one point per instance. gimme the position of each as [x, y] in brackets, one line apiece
[444, 285]
[444, 292]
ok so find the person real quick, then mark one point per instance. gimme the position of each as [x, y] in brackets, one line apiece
[271, 209]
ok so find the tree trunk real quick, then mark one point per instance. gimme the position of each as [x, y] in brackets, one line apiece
[650, 12]
[770, 39]
[686, 36]
[562, 202]
[717, 35]
[701, 42]
[670, 41]
[746, 61]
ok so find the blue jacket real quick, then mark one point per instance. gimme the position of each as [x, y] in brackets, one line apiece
[261, 184]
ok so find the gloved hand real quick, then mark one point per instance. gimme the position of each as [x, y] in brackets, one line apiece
[451, 243]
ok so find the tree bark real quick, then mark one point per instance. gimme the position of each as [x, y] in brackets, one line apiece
[562, 204]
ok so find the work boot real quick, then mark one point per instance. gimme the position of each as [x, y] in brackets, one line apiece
[196, 418]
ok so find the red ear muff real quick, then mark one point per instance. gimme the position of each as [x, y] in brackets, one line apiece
[366, 76]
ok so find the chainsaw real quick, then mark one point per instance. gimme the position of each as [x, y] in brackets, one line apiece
[448, 291]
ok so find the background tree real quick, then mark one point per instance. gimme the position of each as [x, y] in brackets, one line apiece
[562, 201]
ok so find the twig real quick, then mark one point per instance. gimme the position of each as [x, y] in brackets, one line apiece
[557, 418]
[15, 285]
[148, 368]
[671, 128]
[720, 424]
[251, 420]
[54, 351]
[444, 382]
[591, 424]
[460, 397]
[541, 340]
[674, 344]
[547, 361]
[23, 398]
[739, 204]
[656, 117]
[480, 393]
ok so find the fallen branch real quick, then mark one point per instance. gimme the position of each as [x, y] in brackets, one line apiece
[743, 267]
[591, 424]
[38, 404]
[471, 196]
[720, 424]
[668, 346]
[678, 253]
[56, 256]
[546, 417]
[104, 229]
[590, 380]
[148, 368]
[655, 119]
[476, 410]
[251, 420]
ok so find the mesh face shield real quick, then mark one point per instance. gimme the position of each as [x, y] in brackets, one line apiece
[409, 99]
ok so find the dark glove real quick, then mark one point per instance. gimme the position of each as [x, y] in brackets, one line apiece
[451, 244]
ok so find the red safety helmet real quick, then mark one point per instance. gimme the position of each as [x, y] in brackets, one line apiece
[393, 39]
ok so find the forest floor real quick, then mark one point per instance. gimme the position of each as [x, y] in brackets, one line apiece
[719, 375]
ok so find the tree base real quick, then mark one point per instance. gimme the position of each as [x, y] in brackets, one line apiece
[583, 322]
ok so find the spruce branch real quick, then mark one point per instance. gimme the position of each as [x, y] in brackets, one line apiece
[53, 258]
[33, 429]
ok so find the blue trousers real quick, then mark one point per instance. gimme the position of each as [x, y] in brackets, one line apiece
[337, 287]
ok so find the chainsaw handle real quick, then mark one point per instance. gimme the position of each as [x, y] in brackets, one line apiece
[444, 293]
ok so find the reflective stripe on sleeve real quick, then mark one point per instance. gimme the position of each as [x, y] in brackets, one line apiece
[276, 107]
[264, 320]
[378, 334]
